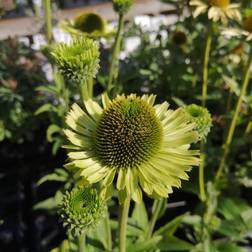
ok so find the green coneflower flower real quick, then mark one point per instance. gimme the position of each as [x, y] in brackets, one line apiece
[79, 60]
[81, 209]
[201, 118]
[90, 23]
[144, 146]
[122, 6]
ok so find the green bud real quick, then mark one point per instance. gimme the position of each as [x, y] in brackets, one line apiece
[122, 6]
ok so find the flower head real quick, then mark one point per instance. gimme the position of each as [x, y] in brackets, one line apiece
[201, 118]
[79, 60]
[245, 30]
[142, 146]
[218, 10]
[81, 209]
[122, 6]
[88, 24]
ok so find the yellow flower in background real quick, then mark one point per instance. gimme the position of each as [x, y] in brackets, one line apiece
[141, 146]
[245, 30]
[217, 10]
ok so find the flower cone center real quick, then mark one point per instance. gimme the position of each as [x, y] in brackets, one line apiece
[219, 3]
[128, 133]
[89, 22]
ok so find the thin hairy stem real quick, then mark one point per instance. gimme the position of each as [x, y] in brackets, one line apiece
[108, 230]
[123, 218]
[233, 124]
[114, 65]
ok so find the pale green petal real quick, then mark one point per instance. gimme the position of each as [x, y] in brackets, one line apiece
[98, 176]
[85, 163]
[74, 138]
[189, 137]
[105, 100]
[147, 187]
[160, 191]
[77, 127]
[109, 178]
[93, 109]
[179, 131]
[146, 175]
[151, 99]
[78, 155]
[121, 179]
[82, 118]
[161, 109]
[137, 195]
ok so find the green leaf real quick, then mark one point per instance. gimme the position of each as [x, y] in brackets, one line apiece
[50, 203]
[58, 175]
[145, 244]
[45, 108]
[140, 216]
[227, 246]
[53, 128]
[169, 228]
[171, 243]
[49, 89]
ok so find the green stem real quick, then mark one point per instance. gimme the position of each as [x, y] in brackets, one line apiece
[123, 217]
[108, 229]
[157, 206]
[235, 117]
[114, 65]
[82, 241]
[201, 173]
[48, 20]
[90, 84]
[205, 65]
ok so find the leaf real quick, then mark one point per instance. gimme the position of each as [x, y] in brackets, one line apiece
[227, 246]
[45, 108]
[140, 216]
[171, 243]
[145, 244]
[53, 128]
[169, 228]
[50, 203]
[49, 89]
[58, 175]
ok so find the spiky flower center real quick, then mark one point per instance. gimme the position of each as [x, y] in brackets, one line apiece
[248, 24]
[89, 22]
[128, 133]
[219, 3]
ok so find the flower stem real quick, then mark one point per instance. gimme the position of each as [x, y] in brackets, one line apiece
[201, 173]
[48, 19]
[108, 230]
[204, 98]
[157, 206]
[123, 217]
[82, 241]
[235, 117]
[205, 66]
[114, 65]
